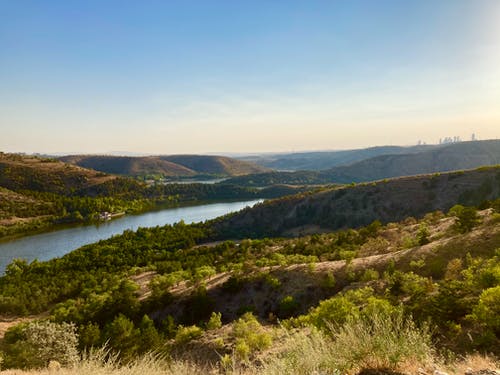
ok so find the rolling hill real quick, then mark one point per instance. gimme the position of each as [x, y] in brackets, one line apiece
[456, 156]
[168, 166]
[319, 160]
[354, 206]
[463, 155]
[217, 165]
[23, 172]
[129, 165]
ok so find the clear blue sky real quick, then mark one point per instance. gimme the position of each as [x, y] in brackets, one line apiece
[242, 76]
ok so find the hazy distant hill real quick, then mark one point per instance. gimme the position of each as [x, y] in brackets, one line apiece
[213, 164]
[129, 165]
[315, 161]
[174, 165]
[463, 155]
[354, 206]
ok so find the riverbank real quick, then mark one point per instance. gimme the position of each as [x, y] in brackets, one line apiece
[16, 228]
[55, 243]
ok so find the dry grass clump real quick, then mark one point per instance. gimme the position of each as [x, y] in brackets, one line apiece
[474, 362]
[383, 340]
[102, 363]
[302, 353]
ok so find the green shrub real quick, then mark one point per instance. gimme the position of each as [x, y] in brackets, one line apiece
[215, 321]
[250, 336]
[160, 284]
[36, 344]
[186, 334]
[149, 337]
[124, 337]
[409, 284]
[241, 349]
[203, 272]
[466, 218]
[417, 264]
[409, 242]
[89, 335]
[332, 311]
[487, 311]
[337, 310]
[423, 235]
[369, 275]
[347, 255]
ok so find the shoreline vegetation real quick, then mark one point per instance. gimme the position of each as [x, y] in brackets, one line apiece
[38, 194]
[40, 227]
[50, 224]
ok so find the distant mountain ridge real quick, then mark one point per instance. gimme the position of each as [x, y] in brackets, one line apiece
[321, 160]
[169, 165]
[455, 156]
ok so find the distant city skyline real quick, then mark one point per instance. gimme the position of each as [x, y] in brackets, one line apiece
[227, 77]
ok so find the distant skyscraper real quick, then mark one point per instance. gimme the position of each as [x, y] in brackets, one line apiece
[473, 137]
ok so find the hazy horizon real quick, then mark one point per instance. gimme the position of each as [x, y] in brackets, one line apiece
[245, 78]
[225, 153]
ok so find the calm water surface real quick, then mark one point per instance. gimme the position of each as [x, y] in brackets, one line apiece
[49, 245]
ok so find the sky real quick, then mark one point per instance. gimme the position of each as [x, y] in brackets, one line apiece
[165, 77]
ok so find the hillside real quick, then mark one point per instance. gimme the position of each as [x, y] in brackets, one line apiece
[218, 165]
[354, 206]
[15, 208]
[38, 193]
[396, 163]
[129, 165]
[168, 166]
[350, 302]
[456, 156]
[22, 172]
[320, 160]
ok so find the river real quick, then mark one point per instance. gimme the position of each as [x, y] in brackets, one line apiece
[54, 244]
